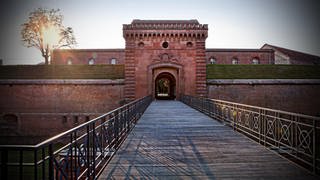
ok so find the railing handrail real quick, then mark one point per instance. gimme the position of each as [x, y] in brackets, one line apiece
[17, 146]
[45, 142]
[268, 109]
[78, 153]
[293, 134]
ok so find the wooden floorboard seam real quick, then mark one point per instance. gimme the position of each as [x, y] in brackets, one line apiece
[173, 141]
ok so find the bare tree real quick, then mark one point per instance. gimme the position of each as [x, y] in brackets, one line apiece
[45, 31]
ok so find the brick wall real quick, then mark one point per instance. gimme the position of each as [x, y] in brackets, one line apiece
[32, 128]
[82, 56]
[300, 96]
[44, 108]
[245, 56]
[104, 56]
[174, 47]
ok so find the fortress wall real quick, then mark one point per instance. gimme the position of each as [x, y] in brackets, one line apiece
[82, 56]
[245, 56]
[48, 107]
[300, 96]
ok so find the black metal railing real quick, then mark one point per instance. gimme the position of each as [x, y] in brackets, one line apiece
[79, 153]
[295, 136]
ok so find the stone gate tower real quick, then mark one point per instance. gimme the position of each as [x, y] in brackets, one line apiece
[165, 58]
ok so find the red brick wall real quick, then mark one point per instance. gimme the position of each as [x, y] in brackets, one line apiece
[57, 98]
[103, 56]
[32, 128]
[47, 107]
[184, 56]
[245, 56]
[148, 56]
[299, 98]
[82, 56]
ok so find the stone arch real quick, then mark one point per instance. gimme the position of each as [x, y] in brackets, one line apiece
[255, 60]
[175, 70]
[9, 123]
[165, 86]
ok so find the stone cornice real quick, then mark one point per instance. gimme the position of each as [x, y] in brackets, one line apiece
[182, 34]
[165, 29]
[165, 26]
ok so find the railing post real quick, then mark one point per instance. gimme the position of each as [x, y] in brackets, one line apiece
[264, 126]
[234, 121]
[43, 157]
[71, 158]
[110, 129]
[127, 118]
[296, 134]
[77, 154]
[102, 140]
[93, 150]
[135, 112]
[35, 159]
[21, 164]
[116, 128]
[259, 125]
[277, 132]
[4, 164]
[314, 147]
[50, 151]
[88, 151]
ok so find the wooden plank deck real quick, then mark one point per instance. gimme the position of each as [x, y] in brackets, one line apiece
[174, 141]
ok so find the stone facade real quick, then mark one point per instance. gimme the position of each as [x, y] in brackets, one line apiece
[176, 47]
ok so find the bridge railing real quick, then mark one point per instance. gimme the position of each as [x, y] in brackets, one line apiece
[295, 136]
[79, 153]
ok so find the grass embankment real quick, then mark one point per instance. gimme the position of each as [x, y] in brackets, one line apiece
[220, 71]
[62, 72]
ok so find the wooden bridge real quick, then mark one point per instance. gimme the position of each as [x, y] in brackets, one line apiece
[173, 141]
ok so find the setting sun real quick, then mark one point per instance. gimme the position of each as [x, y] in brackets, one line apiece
[51, 35]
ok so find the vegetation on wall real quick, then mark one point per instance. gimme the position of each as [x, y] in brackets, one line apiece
[219, 71]
[62, 72]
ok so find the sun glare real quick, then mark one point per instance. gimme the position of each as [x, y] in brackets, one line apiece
[50, 36]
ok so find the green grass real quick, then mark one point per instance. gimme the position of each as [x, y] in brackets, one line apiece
[117, 72]
[28, 157]
[62, 72]
[263, 72]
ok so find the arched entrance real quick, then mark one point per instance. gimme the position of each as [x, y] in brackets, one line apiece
[165, 86]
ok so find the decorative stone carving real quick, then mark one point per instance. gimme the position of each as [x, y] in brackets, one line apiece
[140, 29]
[163, 24]
[165, 57]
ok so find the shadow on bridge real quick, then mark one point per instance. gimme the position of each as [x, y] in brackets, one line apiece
[174, 141]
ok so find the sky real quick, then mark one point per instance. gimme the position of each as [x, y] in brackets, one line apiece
[97, 24]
